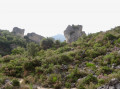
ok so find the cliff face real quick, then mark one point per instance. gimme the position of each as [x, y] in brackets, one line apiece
[34, 37]
[72, 33]
[18, 31]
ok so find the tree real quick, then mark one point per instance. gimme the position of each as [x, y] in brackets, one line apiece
[32, 49]
[18, 50]
[47, 43]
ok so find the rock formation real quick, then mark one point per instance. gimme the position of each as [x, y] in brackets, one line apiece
[34, 37]
[72, 33]
[18, 31]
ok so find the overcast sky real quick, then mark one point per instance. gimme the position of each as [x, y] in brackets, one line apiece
[51, 17]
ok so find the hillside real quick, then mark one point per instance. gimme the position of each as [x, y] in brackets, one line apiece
[88, 63]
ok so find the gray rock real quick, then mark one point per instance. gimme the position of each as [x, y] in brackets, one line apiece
[35, 86]
[64, 67]
[113, 66]
[34, 37]
[72, 33]
[7, 84]
[73, 85]
[113, 82]
[117, 86]
[18, 31]
[119, 52]
[117, 67]
[103, 87]
[111, 87]
[7, 81]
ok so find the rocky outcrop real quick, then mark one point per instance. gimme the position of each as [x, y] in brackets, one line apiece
[18, 31]
[113, 84]
[72, 33]
[34, 37]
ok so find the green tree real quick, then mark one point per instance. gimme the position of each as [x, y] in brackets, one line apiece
[47, 43]
[18, 50]
[32, 49]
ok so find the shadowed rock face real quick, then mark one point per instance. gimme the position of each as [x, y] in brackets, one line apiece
[34, 37]
[18, 31]
[72, 33]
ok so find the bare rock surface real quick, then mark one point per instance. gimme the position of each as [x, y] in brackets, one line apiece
[34, 37]
[72, 33]
[18, 31]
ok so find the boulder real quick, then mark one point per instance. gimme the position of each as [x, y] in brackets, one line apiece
[34, 37]
[72, 33]
[18, 31]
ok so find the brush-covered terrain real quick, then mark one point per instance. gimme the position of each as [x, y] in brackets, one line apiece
[88, 63]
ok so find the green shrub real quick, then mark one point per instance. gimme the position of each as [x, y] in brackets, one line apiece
[15, 82]
[18, 50]
[2, 81]
[71, 54]
[28, 66]
[54, 78]
[75, 75]
[12, 70]
[106, 70]
[63, 49]
[39, 70]
[101, 81]
[47, 43]
[67, 85]
[8, 86]
[109, 36]
[64, 59]
[117, 41]
[97, 45]
[7, 58]
[109, 58]
[90, 65]
[74, 44]
[92, 53]
[32, 49]
[81, 87]
[101, 50]
[31, 64]
[90, 78]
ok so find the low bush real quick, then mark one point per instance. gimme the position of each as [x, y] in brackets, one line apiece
[7, 58]
[75, 75]
[109, 36]
[64, 59]
[101, 81]
[68, 85]
[15, 82]
[90, 78]
[90, 65]
[12, 70]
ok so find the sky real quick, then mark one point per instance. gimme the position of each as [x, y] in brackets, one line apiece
[51, 17]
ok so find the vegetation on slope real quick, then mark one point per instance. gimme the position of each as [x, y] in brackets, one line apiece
[88, 63]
